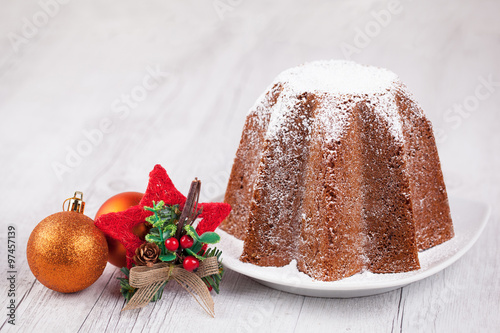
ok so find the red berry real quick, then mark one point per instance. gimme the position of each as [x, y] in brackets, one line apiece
[190, 263]
[186, 241]
[172, 244]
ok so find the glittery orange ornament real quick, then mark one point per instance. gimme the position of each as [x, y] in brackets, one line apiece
[66, 252]
[118, 203]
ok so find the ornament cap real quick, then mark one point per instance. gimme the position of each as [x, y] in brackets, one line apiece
[75, 204]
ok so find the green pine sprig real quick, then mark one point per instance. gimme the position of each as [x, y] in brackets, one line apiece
[128, 291]
[215, 279]
[125, 288]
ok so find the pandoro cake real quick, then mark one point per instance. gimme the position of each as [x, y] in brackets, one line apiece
[337, 169]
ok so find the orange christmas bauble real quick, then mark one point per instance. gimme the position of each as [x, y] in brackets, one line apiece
[66, 252]
[120, 202]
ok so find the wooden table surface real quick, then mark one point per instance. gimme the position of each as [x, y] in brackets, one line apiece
[94, 93]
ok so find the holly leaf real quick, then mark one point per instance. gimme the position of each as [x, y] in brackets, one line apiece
[168, 257]
[196, 246]
[209, 238]
[191, 252]
[192, 232]
[206, 238]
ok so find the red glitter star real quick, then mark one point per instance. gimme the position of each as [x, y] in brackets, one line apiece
[119, 225]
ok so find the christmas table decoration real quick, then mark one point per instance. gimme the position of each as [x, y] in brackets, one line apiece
[118, 203]
[173, 249]
[65, 251]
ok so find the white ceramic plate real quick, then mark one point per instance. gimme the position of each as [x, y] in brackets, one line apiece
[469, 220]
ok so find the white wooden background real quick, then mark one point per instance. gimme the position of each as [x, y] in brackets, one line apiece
[64, 73]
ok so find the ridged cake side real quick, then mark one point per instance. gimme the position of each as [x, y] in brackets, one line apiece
[244, 172]
[273, 221]
[332, 229]
[429, 198]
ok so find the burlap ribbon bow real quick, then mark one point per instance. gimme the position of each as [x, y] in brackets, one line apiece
[149, 279]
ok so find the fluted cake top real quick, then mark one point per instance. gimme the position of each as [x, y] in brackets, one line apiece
[337, 76]
[334, 88]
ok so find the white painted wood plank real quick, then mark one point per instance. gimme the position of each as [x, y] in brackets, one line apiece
[376, 313]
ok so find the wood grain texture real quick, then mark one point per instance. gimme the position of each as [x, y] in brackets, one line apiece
[76, 71]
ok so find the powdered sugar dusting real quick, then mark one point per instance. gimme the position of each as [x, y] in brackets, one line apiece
[338, 86]
[280, 112]
[389, 111]
[337, 77]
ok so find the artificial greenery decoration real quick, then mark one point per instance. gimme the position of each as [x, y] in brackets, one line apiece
[179, 243]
